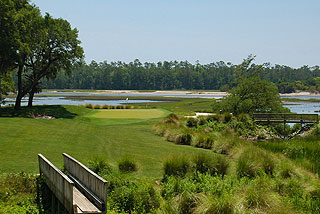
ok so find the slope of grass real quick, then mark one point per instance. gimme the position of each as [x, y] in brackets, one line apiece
[21, 139]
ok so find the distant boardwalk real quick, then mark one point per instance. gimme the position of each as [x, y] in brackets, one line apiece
[285, 118]
[79, 190]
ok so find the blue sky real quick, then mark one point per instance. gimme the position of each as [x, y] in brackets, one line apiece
[283, 32]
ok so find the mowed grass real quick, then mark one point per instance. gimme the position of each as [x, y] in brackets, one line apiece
[129, 113]
[125, 116]
[21, 139]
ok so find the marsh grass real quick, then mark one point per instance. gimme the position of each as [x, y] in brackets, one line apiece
[252, 161]
[127, 165]
[176, 166]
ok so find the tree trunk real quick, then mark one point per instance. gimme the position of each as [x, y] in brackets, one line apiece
[20, 92]
[31, 95]
[0, 90]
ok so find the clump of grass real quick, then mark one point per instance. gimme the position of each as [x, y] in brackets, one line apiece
[88, 105]
[97, 106]
[171, 119]
[99, 166]
[286, 170]
[208, 204]
[183, 138]
[257, 196]
[127, 164]
[252, 161]
[204, 141]
[192, 122]
[213, 164]
[176, 166]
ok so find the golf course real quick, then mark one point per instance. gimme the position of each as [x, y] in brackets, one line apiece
[85, 134]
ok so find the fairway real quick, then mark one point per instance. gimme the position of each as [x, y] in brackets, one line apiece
[130, 113]
[80, 134]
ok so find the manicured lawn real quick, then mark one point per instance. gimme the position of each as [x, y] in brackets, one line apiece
[77, 133]
[130, 113]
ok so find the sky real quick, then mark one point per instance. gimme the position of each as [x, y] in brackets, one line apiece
[285, 32]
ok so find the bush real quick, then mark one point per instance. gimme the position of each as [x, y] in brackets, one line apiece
[88, 105]
[192, 122]
[127, 164]
[223, 204]
[99, 166]
[204, 141]
[226, 117]
[105, 106]
[213, 164]
[213, 118]
[176, 166]
[132, 198]
[246, 166]
[184, 138]
[171, 119]
[96, 106]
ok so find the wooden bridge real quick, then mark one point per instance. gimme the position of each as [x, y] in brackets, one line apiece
[285, 118]
[79, 189]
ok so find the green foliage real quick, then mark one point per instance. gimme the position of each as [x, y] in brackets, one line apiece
[250, 96]
[99, 166]
[203, 141]
[251, 162]
[192, 122]
[127, 164]
[212, 164]
[176, 166]
[132, 198]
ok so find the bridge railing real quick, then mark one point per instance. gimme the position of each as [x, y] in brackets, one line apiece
[58, 182]
[274, 117]
[90, 180]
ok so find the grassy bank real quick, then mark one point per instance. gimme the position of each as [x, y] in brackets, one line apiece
[76, 132]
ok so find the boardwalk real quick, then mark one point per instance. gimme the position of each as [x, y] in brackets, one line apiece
[285, 118]
[79, 189]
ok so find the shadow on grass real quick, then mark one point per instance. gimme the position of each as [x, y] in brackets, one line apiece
[56, 111]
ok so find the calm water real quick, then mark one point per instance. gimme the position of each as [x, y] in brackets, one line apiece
[297, 107]
[62, 101]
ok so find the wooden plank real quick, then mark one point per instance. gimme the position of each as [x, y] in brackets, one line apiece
[285, 117]
[89, 179]
[58, 182]
[83, 204]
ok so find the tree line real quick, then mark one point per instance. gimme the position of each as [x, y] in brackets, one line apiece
[170, 75]
[34, 46]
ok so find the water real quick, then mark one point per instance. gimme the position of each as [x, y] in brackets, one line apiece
[62, 101]
[303, 107]
[297, 107]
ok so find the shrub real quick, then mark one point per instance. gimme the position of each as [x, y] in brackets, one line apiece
[132, 198]
[105, 106]
[214, 164]
[96, 106]
[202, 120]
[257, 196]
[226, 117]
[192, 122]
[204, 141]
[127, 164]
[171, 119]
[99, 166]
[223, 204]
[176, 166]
[212, 118]
[184, 138]
[286, 170]
[88, 105]
[246, 166]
